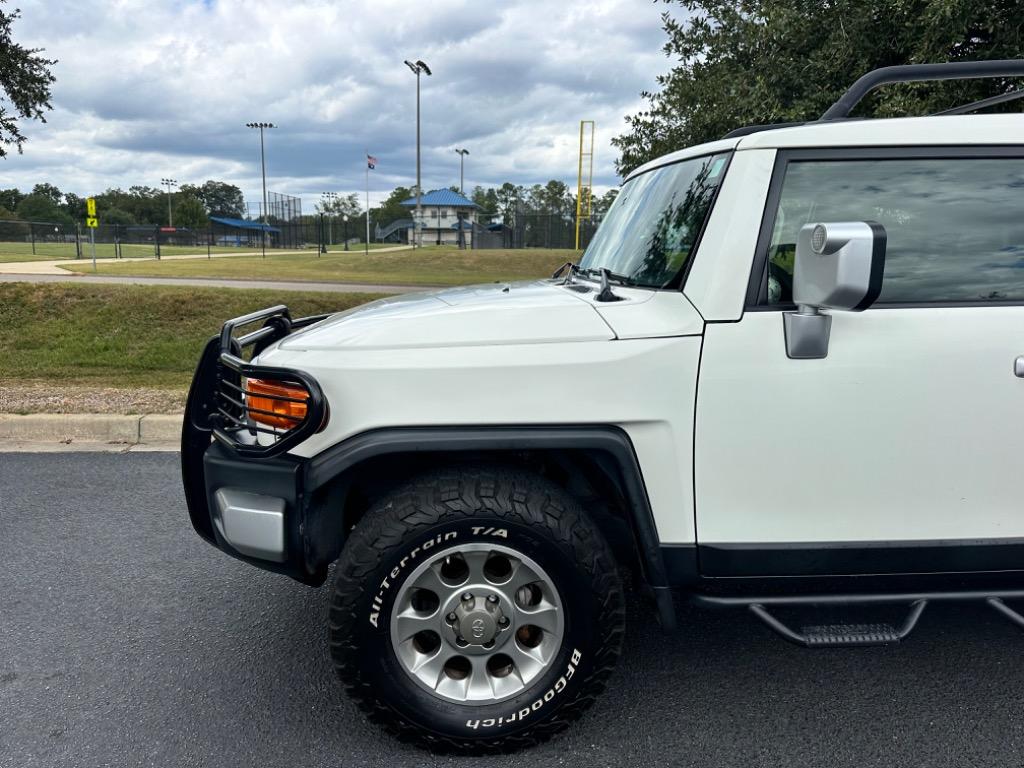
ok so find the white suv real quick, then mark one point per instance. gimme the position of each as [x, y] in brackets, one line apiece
[700, 403]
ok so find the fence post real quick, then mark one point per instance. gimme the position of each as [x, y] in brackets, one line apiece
[209, 239]
[32, 236]
[78, 240]
[156, 241]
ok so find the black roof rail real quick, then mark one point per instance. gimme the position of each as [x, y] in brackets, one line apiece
[953, 70]
[746, 130]
[991, 101]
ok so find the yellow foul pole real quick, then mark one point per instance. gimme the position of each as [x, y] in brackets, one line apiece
[584, 175]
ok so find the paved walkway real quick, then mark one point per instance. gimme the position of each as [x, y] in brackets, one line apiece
[54, 267]
[276, 285]
[51, 272]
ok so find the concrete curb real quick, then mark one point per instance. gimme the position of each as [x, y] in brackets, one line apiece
[68, 428]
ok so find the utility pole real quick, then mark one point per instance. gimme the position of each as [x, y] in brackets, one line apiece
[462, 170]
[263, 167]
[328, 201]
[371, 162]
[169, 183]
[417, 68]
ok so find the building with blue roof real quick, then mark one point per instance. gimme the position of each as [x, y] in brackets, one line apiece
[444, 213]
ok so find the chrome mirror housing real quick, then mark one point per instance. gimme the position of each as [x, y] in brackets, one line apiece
[839, 266]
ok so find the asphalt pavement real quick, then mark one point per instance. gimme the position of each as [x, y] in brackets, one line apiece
[126, 640]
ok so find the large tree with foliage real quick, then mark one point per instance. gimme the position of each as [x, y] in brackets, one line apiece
[218, 197]
[391, 209]
[743, 62]
[25, 80]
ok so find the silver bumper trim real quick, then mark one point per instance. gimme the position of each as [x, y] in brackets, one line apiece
[251, 523]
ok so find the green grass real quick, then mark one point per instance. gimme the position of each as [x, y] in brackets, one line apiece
[433, 266]
[44, 251]
[124, 336]
[18, 251]
[354, 247]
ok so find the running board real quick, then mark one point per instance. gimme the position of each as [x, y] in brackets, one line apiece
[851, 635]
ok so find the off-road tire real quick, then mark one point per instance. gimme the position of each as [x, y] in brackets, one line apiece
[469, 505]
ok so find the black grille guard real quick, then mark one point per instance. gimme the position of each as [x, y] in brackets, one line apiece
[217, 405]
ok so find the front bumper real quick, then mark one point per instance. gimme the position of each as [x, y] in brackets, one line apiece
[249, 499]
[253, 509]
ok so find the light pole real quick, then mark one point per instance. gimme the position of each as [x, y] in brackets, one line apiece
[327, 202]
[417, 68]
[169, 183]
[345, 217]
[462, 170]
[263, 167]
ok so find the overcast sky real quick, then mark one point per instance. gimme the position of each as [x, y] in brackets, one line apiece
[152, 88]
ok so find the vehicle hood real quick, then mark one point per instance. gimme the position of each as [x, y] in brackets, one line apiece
[501, 313]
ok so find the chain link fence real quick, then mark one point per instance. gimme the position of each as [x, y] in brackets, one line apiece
[39, 240]
[535, 229]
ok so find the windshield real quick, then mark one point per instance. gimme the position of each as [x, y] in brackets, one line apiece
[649, 232]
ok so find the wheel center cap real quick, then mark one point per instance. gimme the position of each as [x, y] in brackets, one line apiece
[477, 621]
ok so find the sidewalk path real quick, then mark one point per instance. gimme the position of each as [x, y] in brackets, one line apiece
[275, 285]
[53, 267]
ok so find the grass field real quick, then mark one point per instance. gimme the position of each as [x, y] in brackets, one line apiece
[353, 247]
[433, 266]
[48, 251]
[124, 336]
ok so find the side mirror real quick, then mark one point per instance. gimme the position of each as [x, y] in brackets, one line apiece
[839, 265]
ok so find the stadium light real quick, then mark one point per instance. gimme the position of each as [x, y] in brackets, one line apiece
[263, 166]
[327, 202]
[418, 68]
[462, 170]
[169, 183]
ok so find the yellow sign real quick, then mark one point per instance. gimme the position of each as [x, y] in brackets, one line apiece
[92, 222]
[90, 207]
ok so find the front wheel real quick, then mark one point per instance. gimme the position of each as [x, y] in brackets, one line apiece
[476, 610]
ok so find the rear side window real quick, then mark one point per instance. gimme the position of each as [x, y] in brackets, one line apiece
[955, 226]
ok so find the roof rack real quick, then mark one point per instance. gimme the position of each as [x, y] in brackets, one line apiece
[991, 101]
[953, 70]
[746, 130]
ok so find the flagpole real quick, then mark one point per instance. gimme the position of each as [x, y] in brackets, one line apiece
[367, 244]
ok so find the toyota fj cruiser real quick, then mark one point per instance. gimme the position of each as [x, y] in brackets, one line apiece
[785, 374]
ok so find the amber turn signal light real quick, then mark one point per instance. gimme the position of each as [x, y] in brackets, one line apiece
[275, 403]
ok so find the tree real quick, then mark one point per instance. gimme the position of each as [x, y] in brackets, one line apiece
[601, 203]
[509, 196]
[189, 212]
[48, 190]
[343, 205]
[487, 199]
[36, 207]
[744, 62]
[218, 197]
[25, 79]
[392, 209]
[115, 216]
[9, 198]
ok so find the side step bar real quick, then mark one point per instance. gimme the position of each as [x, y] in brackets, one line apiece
[848, 635]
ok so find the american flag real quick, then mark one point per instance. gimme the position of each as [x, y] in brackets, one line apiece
[371, 162]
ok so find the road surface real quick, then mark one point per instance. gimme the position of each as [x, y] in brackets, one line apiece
[126, 640]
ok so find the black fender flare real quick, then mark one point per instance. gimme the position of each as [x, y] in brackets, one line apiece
[325, 467]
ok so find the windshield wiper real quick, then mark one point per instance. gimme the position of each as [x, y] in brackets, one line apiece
[602, 273]
[606, 275]
[573, 268]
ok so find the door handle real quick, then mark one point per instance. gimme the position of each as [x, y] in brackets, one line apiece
[1018, 367]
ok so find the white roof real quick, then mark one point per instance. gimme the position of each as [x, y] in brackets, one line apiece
[903, 131]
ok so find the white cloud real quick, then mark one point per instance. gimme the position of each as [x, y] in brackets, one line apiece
[151, 88]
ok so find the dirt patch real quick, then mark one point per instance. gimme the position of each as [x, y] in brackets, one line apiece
[44, 397]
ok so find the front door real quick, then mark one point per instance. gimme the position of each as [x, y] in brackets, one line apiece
[901, 451]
